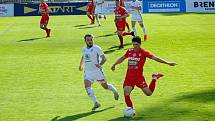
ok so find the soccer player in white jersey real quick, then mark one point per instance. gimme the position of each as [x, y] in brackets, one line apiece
[93, 69]
[136, 16]
[98, 10]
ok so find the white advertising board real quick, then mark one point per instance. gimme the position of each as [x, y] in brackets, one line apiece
[200, 5]
[109, 6]
[6, 9]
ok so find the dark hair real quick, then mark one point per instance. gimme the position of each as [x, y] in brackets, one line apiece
[87, 35]
[117, 0]
[136, 39]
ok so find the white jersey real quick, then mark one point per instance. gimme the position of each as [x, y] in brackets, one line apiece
[135, 12]
[98, 8]
[91, 57]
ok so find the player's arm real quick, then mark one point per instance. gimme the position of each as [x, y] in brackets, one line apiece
[120, 60]
[104, 59]
[81, 64]
[163, 61]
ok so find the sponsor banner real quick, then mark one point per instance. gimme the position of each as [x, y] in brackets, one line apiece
[109, 7]
[200, 5]
[164, 6]
[6, 10]
[73, 8]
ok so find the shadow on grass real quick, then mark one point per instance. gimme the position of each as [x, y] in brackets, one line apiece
[81, 25]
[106, 35]
[184, 107]
[201, 97]
[78, 116]
[114, 48]
[87, 27]
[31, 39]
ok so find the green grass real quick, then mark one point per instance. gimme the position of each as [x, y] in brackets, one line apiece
[40, 81]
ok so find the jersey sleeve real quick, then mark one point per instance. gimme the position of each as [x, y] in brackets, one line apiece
[99, 51]
[126, 54]
[147, 54]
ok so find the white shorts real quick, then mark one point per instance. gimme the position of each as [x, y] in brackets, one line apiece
[136, 18]
[98, 9]
[94, 75]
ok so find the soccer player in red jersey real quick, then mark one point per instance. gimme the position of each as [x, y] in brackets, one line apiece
[122, 3]
[120, 21]
[134, 76]
[90, 11]
[44, 10]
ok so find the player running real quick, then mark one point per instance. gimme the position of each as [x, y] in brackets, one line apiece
[44, 10]
[120, 21]
[122, 3]
[136, 16]
[93, 69]
[98, 10]
[134, 77]
[90, 11]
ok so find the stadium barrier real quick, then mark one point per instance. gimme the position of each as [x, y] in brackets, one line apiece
[79, 8]
[164, 6]
[6, 9]
[200, 5]
[73, 8]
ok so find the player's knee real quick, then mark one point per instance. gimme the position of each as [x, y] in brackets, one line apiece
[148, 94]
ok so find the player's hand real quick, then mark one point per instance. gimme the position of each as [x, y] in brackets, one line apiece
[98, 65]
[172, 63]
[113, 68]
[80, 68]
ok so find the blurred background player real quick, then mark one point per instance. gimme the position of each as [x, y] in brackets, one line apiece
[98, 10]
[136, 16]
[134, 77]
[90, 11]
[122, 3]
[93, 69]
[120, 22]
[44, 10]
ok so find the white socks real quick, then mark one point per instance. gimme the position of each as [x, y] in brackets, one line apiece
[135, 31]
[91, 94]
[112, 88]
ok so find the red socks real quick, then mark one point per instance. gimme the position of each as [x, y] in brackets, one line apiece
[126, 33]
[128, 101]
[152, 85]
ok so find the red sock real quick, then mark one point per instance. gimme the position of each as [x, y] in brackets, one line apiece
[120, 39]
[126, 33]
[90, 17]
[128, 101]
[152, 85]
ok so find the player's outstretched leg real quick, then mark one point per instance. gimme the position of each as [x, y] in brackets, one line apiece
[153, 82]
[113, 89]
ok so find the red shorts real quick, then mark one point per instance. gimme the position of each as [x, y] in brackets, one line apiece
[91, 9]
[44, 19]
[136, 81]
[120, 26]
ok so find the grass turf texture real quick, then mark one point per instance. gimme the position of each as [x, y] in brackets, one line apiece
[40, 81]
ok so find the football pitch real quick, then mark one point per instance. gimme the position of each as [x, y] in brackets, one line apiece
[40, 80]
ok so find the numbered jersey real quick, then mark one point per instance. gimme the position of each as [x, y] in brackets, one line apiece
[91, 57]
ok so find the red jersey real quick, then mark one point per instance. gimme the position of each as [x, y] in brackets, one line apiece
[136, 61]
[120, 11]
[44, 8]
